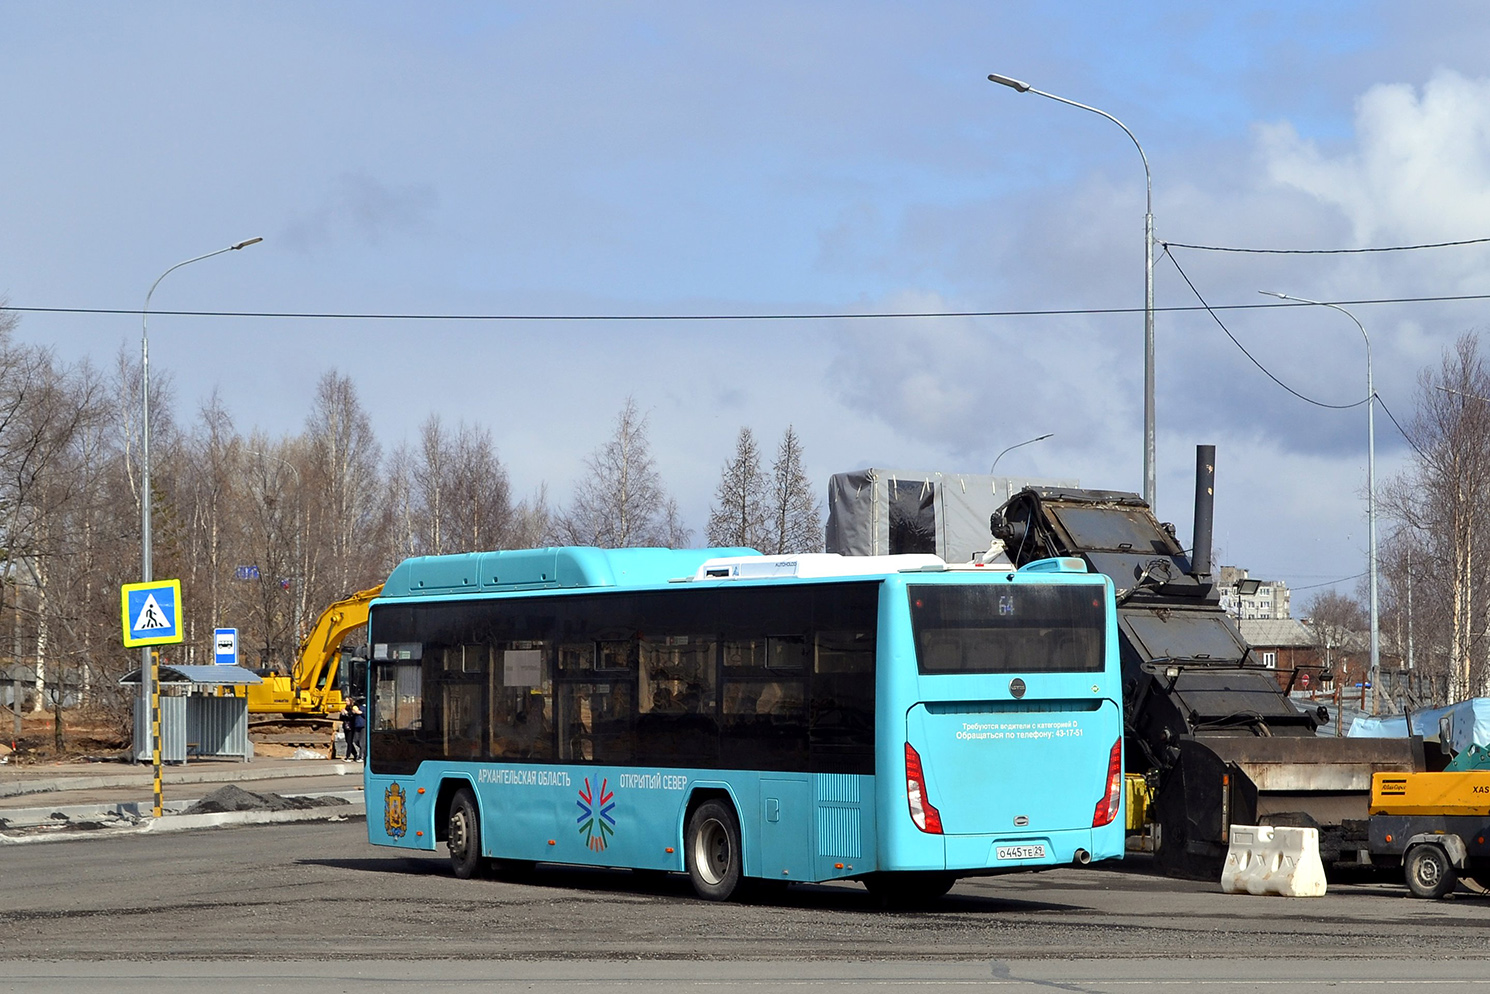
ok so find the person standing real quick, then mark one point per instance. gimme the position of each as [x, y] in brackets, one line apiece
[353, 725]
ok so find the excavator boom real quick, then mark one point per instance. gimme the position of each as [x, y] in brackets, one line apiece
[312, 690]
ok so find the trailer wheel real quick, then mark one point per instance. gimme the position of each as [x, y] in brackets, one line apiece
[711, 851]
[1429, 872]
[464, 835]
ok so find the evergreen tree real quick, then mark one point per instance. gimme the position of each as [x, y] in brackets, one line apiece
[741, 511]
[796, 523]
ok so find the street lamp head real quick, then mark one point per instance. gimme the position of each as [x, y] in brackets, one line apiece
[1028, 441]
[1009, 81]
[1274, 293]
[241, 245]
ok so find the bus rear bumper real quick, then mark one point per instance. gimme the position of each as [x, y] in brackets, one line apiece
[976, 853]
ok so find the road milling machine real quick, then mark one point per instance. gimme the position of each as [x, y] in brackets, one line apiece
[1214, 731]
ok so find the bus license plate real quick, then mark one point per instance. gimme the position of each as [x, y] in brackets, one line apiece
[1021, 852]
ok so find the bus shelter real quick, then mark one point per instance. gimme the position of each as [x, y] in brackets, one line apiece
[203, 712]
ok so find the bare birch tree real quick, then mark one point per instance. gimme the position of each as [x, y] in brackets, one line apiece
[344, 459]
[431, 481]
[1442, 503]
[621, 501]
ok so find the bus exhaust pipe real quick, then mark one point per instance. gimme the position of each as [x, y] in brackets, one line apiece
[1082, 857]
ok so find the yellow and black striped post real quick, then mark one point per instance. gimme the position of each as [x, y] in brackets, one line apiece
[155, 723]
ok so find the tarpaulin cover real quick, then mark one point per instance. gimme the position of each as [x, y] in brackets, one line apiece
[876, 512]
[1457, 726]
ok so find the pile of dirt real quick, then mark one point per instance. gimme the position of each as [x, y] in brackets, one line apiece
[233, 798]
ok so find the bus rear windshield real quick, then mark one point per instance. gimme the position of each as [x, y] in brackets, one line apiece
[1007, 628]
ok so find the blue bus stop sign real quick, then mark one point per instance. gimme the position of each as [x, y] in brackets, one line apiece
[225, 646]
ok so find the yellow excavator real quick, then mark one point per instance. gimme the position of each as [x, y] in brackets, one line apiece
[302, 708]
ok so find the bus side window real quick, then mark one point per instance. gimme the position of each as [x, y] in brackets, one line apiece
[596, 722]
[677, 675]
[576, 723]
[461, 679]
[764, 704]
[522, 701]
[677, 701]
[395, 731]
[840, 709]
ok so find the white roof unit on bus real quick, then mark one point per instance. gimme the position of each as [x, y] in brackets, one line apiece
[813, 564]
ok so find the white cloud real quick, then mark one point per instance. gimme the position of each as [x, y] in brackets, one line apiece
[1419, 168]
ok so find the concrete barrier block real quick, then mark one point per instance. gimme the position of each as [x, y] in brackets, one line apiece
[1267, 859]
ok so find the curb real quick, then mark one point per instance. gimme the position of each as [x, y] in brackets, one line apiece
[314, 768]
[356, 809]
[132, 811]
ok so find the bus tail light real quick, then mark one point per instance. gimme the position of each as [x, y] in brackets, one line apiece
[1107, 807]
[926, 817]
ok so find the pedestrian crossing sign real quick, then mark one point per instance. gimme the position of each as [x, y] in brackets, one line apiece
[152, 612]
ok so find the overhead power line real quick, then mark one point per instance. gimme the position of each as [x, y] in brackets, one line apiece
[789, 316]
[1421, 454]
[1330, 583]
[1267, 372]
[1354, 251]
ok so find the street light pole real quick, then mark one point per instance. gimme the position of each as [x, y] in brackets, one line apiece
[1374, 677]
[1149, 461]
[149, 693]
[1028, 441]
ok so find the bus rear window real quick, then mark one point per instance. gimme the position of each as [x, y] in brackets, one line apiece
[1007, 628]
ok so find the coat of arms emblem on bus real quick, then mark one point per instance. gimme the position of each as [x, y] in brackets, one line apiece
[395, 815]
[595, 821]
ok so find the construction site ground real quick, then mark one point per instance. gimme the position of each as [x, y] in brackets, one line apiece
[91, 785]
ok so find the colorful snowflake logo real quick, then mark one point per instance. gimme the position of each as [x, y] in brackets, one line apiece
[595, 820]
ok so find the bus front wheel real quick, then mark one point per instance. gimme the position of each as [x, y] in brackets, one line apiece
[711, 851]
[464, 835]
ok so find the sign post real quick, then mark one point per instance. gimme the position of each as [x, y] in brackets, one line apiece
[152, 616]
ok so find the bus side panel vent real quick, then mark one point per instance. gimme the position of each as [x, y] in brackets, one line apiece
[843, 787]
[838, 831]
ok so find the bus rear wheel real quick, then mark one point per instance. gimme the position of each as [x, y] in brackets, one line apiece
[711, 851]
[463, 835]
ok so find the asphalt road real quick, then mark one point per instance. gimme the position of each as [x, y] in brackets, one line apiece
[318, 892]
[314, 907]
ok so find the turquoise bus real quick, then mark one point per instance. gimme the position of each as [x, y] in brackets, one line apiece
[739, 718]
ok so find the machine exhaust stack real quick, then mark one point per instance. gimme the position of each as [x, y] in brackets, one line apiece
[1205, 509]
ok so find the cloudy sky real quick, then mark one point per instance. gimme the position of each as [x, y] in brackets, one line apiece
[825, 158]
